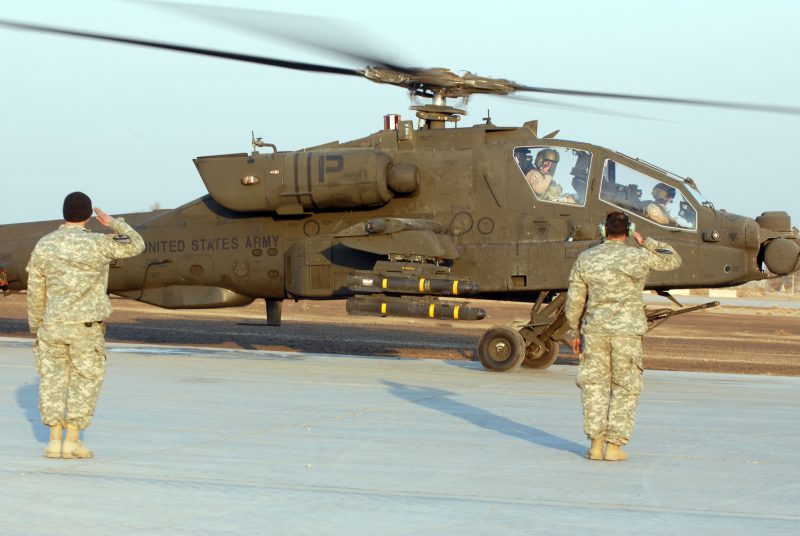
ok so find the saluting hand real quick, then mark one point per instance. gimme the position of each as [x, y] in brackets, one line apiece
[104, 219]
[639, 238]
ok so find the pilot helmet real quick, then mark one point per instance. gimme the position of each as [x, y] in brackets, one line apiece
[662, 192]
[546, 154]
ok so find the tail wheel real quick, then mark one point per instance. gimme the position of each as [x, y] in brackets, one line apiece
[538, 358]
[501, 349]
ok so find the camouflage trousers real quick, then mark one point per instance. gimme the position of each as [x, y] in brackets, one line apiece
[610, 378]
[71, 362]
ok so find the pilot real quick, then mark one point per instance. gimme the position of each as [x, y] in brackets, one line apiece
[541, 177]
[658, 210]
[523, 157]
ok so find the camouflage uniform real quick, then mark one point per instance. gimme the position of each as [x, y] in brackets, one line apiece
[67, 303]
[612, 277]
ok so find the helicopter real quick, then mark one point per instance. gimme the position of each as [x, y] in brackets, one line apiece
[412, 219]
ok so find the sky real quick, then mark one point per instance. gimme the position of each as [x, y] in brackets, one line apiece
[123, 123]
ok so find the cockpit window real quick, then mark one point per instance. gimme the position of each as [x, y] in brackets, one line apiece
[647, 197]
[695, 193]
[555, 174]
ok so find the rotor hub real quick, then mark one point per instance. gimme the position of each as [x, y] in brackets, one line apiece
[437, 116]
[439, 82]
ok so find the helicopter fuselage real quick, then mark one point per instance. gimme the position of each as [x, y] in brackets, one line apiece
[454, 203]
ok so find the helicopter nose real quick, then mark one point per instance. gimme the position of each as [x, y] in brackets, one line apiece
[780, 248]
[782, 255]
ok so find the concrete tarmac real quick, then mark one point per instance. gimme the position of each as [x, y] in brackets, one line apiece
[219, 441]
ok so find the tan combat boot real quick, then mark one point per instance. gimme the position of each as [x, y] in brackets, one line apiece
[53, 449]
[73, 448]
[614, 453]
[595, 452]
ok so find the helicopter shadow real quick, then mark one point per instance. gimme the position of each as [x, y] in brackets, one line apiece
[444, 401]
[310, 336]
[295, 335]
[28, 401]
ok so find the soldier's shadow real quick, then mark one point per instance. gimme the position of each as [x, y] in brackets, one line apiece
[443, 401]
[28, 400]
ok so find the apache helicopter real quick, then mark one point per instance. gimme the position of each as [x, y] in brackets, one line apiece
[409, 219]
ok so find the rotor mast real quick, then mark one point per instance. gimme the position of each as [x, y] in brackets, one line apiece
[437, 114]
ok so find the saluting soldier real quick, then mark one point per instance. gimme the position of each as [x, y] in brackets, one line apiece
[67, 304]
[605, 311]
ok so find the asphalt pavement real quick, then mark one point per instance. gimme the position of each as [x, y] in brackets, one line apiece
[222, 441]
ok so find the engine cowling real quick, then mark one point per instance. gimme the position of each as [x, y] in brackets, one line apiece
[300, 181]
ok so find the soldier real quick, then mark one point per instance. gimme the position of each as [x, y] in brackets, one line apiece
[604, 310]
[658, 211]
[67, 304]
[540, 177]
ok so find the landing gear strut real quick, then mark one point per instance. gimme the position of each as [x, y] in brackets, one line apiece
[274, 310]
[532, 345]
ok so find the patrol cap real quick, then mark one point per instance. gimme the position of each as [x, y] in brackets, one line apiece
[77, 207]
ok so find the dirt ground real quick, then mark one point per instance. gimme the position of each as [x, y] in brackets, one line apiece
[723, 339]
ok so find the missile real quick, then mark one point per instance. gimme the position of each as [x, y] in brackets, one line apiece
[372, 282]
[377, 306]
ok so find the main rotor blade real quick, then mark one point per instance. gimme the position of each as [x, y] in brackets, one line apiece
[248, 58]
[668, 100]
[402, 76]
[319, 33]
[577, 107]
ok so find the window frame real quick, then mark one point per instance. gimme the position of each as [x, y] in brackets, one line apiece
[687, 196]
[560, 148]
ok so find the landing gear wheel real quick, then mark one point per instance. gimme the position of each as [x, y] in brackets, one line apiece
[536, 358]
[501, 349]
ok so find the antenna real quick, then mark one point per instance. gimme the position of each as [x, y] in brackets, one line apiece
[257, 142]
